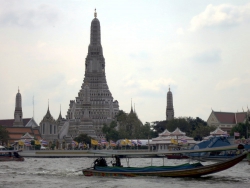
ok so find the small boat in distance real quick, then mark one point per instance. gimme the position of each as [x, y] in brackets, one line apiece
[9, 155]
[177, 156]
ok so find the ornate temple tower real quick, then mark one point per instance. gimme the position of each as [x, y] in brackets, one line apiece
[94, 105]
[48, 127]
[170, 107]
[18, 114]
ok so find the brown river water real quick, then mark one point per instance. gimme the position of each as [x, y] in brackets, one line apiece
[65, 172]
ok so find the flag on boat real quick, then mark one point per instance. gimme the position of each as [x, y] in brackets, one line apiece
[139, 142]
[44, 142]
[236, 134]
[94, 142]
[112, 143]
[27, 143]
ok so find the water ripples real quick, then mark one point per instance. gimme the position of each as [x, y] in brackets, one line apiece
[66, 172]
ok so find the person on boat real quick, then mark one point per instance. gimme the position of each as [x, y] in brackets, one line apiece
[117, 161]
[100, 162]
[10, 154]
[16, 155]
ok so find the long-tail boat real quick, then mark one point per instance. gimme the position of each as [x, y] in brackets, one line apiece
[10, 155]
[100, 168]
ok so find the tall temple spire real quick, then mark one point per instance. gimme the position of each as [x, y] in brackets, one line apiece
[18, 114]
[94, 105]
[170, 107]
[48, 104]
[95, 61]
[95, 14]
[131, 111]
[60, 115]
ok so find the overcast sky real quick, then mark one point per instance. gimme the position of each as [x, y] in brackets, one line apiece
[199, 48]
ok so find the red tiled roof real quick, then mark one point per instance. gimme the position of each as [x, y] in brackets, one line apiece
[241, 116]
[16, 133]
[229, 117]
[25, 121]
[15, 136]
[38, 137]
[225, 117]
[9, 122]
[36, 131]
[22, 130]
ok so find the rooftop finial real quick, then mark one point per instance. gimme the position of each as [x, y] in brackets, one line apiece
[95, 14]
[18, 89]
[168, 87]
[131, 106]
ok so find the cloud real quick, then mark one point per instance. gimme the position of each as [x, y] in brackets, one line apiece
[210, 56]
[145, 86]
[221, 15]
[72, 81]
[43, 15]
[232, 83]
[180, 31]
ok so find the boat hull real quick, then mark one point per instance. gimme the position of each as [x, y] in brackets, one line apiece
[194, 172]
[7, 158]
[177, 156]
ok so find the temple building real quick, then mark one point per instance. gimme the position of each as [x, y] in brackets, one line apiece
[49, 127]
[170, 107]
[94, 105]
[19, 126]
[227, 120]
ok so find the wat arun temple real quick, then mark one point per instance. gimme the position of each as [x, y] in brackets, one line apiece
[94, 104]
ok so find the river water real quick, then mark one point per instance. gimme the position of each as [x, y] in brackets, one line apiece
[65, 172]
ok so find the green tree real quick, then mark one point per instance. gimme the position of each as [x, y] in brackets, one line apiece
[128, 126]
[160, 126]
[196, 122]
[4, 135]
[110, 131]
[147, 131]
[181, 123]
[202, 131]
[84, 138]
[242, 128]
